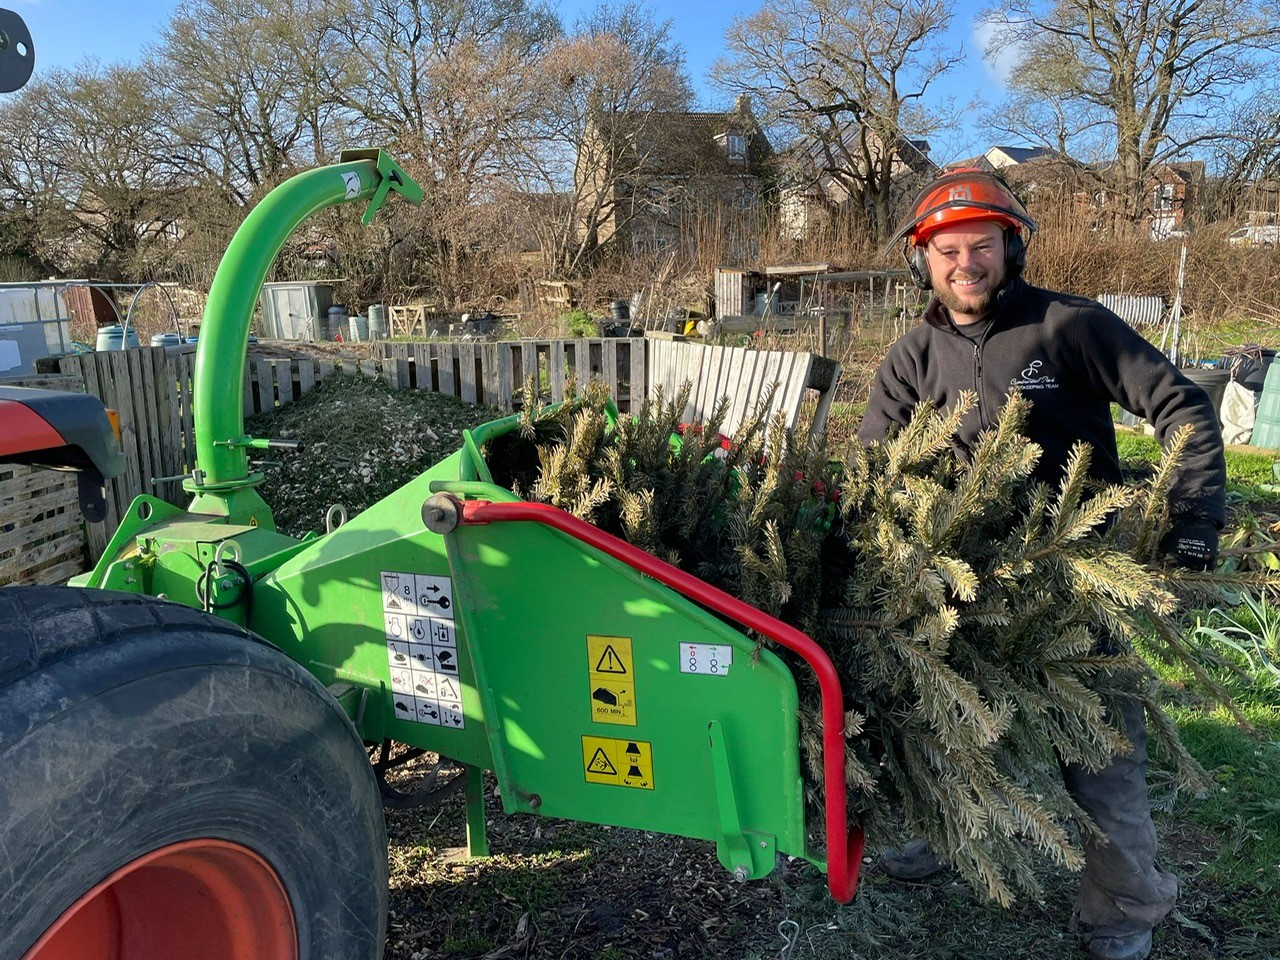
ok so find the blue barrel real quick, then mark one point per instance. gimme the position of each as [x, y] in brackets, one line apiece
[337, 322]
[114, 338]
[1266, 424]
[165, 340]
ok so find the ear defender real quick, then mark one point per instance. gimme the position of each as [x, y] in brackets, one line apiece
[1015, 253]
[917, 265]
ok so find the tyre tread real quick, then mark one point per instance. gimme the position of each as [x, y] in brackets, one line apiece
[42, 625]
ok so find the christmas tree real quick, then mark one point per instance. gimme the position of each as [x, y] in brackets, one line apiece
[982, 623]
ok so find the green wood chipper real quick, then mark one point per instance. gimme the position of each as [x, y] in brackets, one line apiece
[195, 736]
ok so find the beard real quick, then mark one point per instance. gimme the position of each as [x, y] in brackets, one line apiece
[974, 308]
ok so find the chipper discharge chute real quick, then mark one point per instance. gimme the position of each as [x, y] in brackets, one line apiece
[597, 682]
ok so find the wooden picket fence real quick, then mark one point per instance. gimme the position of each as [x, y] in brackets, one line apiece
[495, 373]
[151, 389]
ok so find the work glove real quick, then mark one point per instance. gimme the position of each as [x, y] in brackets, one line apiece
[1193, 542]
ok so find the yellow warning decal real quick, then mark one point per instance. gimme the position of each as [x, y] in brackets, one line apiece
[621, 763]
[610, 655]
[611, 679]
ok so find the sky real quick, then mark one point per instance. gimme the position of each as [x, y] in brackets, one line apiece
[66, 31]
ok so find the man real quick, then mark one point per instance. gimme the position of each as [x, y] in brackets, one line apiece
[989, 332]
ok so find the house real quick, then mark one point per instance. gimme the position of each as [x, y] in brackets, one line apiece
[1029, 170]
[1170, 197]
[643, 176]
[999, 158]
[1169, 200]
[1173, 190]
[815, 194]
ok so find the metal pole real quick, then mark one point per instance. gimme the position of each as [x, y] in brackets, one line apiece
[1174, 351]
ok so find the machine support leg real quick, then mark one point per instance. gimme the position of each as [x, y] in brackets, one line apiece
[477, 839]
[732, 847]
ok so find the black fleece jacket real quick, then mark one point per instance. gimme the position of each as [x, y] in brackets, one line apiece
[1072, 358]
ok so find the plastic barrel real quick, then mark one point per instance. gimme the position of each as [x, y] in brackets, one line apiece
[114, 338]
[1211, 380]
[1266, 424]
[1251, 366]
[165, 340]
[359, 328]
[620, 310]
[378, 321]
[337, 322]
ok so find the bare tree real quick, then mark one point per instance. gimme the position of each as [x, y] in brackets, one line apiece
[1248, 161]
[244, 79]
[606, 92]
[81, 155]
[847, 80]
[447, 84]
[31, 173]
[1160, 75]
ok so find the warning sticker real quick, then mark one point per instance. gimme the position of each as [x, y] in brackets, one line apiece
[610, 672]
[621, 763]
[422, 648]
[610, 655]
[710, 659]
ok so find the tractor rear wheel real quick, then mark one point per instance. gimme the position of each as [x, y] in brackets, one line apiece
[171, 785]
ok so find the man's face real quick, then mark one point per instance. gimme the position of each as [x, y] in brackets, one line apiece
[966, 265]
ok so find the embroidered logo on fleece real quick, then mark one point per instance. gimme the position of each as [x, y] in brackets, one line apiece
[1032, 379]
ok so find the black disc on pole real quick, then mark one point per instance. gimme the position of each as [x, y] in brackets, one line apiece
[17, 53]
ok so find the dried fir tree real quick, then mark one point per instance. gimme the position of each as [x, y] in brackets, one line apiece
[982, 623]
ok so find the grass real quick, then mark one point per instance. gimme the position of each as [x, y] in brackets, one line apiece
[1249, 471]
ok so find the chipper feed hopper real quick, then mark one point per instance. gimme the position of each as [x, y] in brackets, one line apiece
[194, 738]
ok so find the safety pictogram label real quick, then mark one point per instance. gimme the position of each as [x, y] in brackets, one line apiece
[601, 765]
[610, 655]
[610, 675]
[620, 763]
[422, 648]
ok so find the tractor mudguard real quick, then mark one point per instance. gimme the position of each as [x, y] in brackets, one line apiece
[65, 431]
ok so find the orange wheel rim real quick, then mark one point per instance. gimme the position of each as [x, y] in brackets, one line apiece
[199, 900]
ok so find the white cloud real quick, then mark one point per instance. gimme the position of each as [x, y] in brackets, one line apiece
[999, 67]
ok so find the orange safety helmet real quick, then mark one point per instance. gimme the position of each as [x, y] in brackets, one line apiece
[963, 196]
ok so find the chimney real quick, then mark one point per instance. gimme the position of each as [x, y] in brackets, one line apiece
[743, 103]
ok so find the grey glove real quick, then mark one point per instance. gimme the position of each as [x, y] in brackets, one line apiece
[1193, 542]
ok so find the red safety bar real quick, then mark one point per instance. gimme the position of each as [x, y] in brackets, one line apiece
[844, 848]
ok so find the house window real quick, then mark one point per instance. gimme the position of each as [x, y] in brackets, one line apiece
[1164, 197]
[737, 146]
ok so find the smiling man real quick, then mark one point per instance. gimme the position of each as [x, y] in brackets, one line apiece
[989, 332]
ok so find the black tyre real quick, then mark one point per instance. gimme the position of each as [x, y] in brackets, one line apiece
[175, 784]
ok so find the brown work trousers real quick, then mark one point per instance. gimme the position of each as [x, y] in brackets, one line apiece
[1122, 891]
